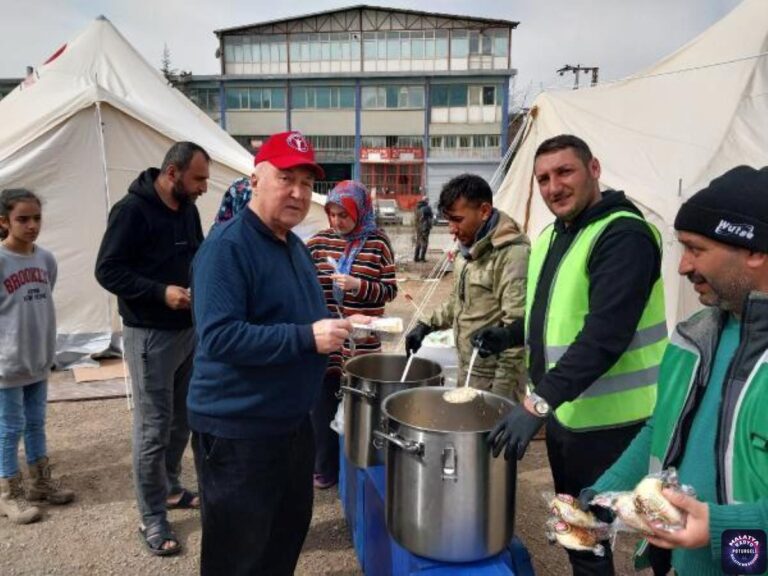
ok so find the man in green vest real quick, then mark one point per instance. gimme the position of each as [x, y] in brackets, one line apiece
[594, 327]
[489, 285]
[710, 421]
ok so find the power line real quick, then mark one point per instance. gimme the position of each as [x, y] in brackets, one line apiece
[692, 68]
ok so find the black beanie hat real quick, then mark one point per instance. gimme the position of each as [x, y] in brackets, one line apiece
[733, 209]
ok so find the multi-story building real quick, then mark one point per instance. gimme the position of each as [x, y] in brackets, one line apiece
[400, 99]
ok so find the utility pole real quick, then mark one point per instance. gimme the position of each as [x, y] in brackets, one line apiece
[576, 70]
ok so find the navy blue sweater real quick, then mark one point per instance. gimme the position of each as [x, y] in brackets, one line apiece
[257, 371]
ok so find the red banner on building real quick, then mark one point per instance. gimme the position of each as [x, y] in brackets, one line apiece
[391, 155]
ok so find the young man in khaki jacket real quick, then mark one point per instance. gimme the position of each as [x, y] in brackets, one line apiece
[489, 287]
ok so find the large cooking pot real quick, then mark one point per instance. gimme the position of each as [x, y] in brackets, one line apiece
[447, 497]
[368, 380]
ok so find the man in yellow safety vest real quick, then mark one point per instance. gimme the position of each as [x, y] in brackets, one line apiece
[595, 327]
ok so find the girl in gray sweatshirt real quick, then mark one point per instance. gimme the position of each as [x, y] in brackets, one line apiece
[27, 347]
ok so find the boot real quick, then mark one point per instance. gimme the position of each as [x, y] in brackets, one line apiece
[14, 504]
[44, 487]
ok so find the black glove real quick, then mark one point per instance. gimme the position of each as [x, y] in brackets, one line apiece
[491, 340]
[515, 432]
[415, 337]
[601, 513]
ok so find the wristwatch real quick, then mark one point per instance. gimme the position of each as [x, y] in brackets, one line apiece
[540, 406]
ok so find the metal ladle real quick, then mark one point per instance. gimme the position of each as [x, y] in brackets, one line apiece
[465, 393]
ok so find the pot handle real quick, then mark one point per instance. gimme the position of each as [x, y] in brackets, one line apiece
[449, 463]
[409, 446]
[356, 392]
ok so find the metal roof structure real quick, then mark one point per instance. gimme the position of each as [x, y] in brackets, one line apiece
[364, 17]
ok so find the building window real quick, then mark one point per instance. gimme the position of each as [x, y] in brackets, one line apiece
[323, 98]
[441, 44]
[464, 103]
[489, 95]
[324, 47]
[392, 96]
[450, 95]
[459, 44]
[408, 50]
[255, 98]
[501, 43]
[391, 142]
[255, 49]
[475, 50]
[332, 143]
[206, 99]
[465, 146]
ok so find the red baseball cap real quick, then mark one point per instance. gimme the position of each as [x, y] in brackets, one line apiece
[287, 150]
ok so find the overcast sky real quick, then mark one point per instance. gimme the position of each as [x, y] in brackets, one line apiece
[620, 36]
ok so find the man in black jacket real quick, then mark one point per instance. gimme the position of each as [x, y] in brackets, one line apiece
[595, 327]
[151, 238]
[423, 227]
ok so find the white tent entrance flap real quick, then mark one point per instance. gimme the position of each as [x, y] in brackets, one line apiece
[97, 115]
[662, 134]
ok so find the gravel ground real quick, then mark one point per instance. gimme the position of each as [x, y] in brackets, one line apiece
[89, 443]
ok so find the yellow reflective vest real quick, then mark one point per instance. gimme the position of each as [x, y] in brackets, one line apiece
[627, 392]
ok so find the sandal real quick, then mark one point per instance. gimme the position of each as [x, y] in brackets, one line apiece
[157, 534]
[186, 501]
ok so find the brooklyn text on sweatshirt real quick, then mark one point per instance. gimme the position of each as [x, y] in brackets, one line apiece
[24, 277]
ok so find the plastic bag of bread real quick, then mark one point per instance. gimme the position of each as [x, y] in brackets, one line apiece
[651, 504]
[566, 508]
[576, 537]
[623, 506]
[646, 506]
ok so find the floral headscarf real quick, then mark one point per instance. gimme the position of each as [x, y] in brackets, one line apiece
[234, 200]
[355, 199]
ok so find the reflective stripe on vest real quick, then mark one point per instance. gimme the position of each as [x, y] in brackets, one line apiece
[626, 393]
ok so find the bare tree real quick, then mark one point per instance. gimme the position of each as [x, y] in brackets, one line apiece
[165, 65]
[174, 77]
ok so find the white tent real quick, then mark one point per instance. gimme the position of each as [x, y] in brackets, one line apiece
[96, 116]
[662, 134]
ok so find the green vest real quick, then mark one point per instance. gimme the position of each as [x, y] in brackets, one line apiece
[626, 393]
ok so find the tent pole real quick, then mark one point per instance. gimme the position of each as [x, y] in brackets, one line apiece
[108, 207]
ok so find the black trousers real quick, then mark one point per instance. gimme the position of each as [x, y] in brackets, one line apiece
[422, 243]
[577, 460]
[256, 502]
[326, 440]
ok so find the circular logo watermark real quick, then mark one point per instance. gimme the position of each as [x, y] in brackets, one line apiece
[744, 550]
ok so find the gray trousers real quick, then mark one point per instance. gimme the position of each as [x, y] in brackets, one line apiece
[160, 363]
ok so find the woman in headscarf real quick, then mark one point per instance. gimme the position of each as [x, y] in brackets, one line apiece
[356, 268]
[234, 200]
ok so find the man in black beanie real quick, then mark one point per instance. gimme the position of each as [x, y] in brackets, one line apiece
[713, 387]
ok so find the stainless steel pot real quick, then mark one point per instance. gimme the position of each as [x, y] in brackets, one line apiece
[368, 380]
[447, 497]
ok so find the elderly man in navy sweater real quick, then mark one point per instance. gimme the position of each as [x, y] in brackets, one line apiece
[263, 340]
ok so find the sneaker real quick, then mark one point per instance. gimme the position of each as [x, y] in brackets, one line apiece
[324, 482]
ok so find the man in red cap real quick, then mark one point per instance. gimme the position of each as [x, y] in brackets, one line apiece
[263, 342]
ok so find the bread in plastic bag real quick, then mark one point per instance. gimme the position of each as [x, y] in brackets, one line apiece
[575, 537]
[566, 508]
[646, 507]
